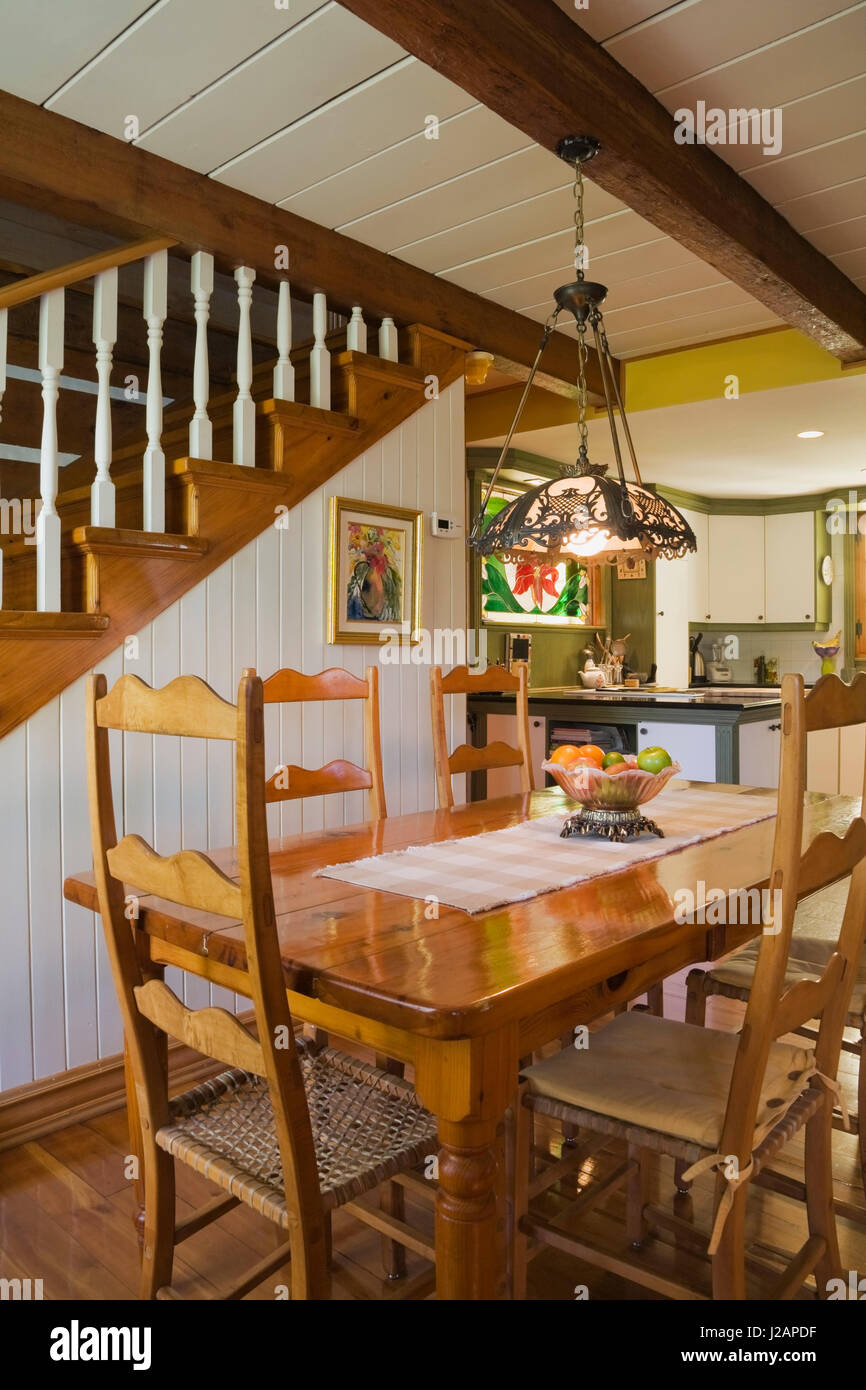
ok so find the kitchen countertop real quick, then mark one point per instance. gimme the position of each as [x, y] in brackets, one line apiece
[705, 698]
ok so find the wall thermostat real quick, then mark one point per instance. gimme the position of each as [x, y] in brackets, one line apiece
[447, 526]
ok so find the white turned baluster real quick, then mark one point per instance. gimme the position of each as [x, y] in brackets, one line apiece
[51, 307]
[104, 338]
[320, 358]
[388, 340]
[284, 372]
[4, 315]
[356, 333]
[154, 309]
[244, 414]
[200, 430]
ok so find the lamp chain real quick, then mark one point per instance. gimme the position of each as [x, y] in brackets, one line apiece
[579, 263]
[577, 193]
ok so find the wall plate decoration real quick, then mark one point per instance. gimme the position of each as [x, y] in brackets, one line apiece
[828, 569]
[374, 571]
[631, 567]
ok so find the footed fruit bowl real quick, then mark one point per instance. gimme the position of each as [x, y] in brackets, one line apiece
[609, 802]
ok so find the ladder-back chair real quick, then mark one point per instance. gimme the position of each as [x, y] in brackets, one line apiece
[465, 758]
[723, 1102]
[290, 1131]
[816, 927]
[290, 783]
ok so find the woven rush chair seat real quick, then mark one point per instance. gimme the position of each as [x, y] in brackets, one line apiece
[662, 1083]
[367, 1126]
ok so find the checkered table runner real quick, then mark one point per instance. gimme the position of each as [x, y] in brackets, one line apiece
[484, 871]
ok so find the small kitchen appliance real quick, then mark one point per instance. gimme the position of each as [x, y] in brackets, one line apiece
[697, 669]
[518, 647]
[718, 670]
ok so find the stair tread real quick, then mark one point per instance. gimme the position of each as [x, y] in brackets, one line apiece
[311, 416]
[211, 470]
[108, 538]
[368, 364]
[23, 623]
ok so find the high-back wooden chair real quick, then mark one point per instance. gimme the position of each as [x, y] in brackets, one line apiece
[725, 1102]
[465, 758]
[289, 783]
[249, 1130]
[817, 923]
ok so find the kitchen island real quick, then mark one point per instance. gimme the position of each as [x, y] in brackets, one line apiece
[717, 734]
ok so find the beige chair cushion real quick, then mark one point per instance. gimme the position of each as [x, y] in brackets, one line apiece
[816, 932]
[818, 922]
[739, 972]
[666, 1076]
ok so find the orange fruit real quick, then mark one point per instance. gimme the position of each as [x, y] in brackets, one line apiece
[583, 762]
[616, 768]
[564, 754]
[591, 750]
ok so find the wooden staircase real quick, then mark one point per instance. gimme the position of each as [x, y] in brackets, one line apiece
[114, 580]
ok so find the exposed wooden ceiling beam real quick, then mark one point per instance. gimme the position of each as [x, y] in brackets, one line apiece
[60, 166]
[489, 413]
[539, 70]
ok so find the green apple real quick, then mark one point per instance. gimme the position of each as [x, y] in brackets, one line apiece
[654, 759]
[610, 758]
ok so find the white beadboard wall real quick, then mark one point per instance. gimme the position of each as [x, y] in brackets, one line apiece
[264, 608]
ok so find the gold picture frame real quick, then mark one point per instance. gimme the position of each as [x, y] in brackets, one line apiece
[374, 567]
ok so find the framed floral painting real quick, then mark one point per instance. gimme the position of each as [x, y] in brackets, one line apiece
[374, 570]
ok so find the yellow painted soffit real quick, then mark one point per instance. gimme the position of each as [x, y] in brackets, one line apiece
[760, 362]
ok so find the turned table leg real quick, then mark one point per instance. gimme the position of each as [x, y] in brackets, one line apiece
[468, 1264]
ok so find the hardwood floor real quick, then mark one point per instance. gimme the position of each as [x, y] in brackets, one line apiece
[66, 1217]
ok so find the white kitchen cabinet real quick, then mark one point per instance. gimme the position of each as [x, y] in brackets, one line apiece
[502, 728]
[672, 624]
[697, 568]
[693, 746]
[759, 753]
[736, 569]
[789, 563]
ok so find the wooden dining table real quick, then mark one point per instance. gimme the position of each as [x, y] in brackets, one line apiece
[459, 998]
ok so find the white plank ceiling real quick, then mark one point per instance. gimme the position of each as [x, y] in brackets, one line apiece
[310, 108]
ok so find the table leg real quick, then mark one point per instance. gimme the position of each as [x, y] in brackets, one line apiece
[468, 1084]
[466, 1212]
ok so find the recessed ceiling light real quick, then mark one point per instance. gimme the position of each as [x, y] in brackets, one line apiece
[810, 434]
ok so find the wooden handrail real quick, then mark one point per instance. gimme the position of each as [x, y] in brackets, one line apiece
[35, 285]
